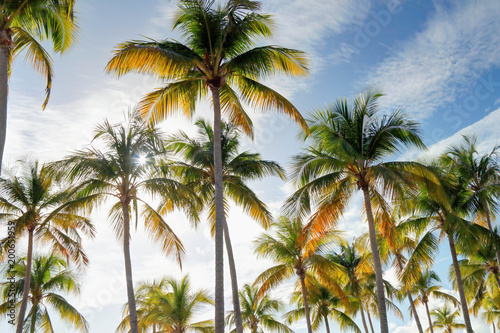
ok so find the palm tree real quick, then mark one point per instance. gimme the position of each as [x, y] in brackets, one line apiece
[445, 318]
[49, 277]
[491, 312]
[293, 248]
[426, 287]
[348, 144]
[124, 170]
[23, 26]
[40, 207]
[324, 304]
[170, 306]
[197, 171]
[258, 312]
[219, 57]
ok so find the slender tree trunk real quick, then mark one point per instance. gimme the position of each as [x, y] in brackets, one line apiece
[234, 279]
[384, 326]
[302, 277]
[327, 325]
[219, 216]
[363, 319]
[370, 320]
[128, 270]
[4, 91]
[494, 329]
[27, 283]
[429, 317]
[33, 318]
[154, 328]
[410, 299]
[497, 248]
[460, 286]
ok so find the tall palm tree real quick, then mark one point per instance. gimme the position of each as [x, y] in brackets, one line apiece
[445, 318]
[49, 277]
[197, 171]
[293, 248]
[125, 170]
[348, 144]
[169, 306]
[218, 57]
[425, 287]
[324, 304]
[24, 24]
[41, 208]
[259, 312]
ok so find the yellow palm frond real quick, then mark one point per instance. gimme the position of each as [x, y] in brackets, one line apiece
[230, 105]
[265, 98]
[176, 97]
[36, 55]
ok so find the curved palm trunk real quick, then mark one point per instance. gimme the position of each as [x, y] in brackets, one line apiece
[128, 270]
[302, 277]
[429, 317]
[384, 326]
[219, 216]
[27, 282]
[363, 319]
[460, 286]
[370, 320]
[327, 325]
[234, 279]
[410, 299]
[4, 91]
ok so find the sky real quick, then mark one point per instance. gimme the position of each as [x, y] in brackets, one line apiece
[438, 60]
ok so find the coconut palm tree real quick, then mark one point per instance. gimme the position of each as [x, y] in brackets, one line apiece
[425, 287]
[125, 169]
[324, 304]
[445, 318]
[197, 171]
[258, 312]
[48, 278]
[218, 57]
[39, 207]
[293, 248]
[169, 306]
[491, 312]
[348, 144]
[23, 26]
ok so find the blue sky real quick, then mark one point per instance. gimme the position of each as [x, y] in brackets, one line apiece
[439, 60]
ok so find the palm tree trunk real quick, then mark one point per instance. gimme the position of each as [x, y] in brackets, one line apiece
[27, 282]
[4, 91]
[33, 318]
[234, 279]
[363, 319]
[384, 326]
[494, 329]
[128, 270]
[429, 317]
[219, 216]
[370, 320]
[460, 286]
[327, 325]
[302, 277]
[410, 299]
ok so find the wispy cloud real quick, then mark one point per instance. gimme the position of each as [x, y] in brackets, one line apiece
[447, 56]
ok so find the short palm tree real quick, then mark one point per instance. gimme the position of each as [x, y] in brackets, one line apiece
[258, 312]
[49, 277]
[425, 287]
[348, 144]
[218, 57]
[169, 306]
[445, 318]
[324, 304]
[196, 169]
[23, 26]
[42, 208]
[125, 170]
[293, 248]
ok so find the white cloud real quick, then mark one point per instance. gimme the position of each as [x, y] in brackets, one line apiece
[449, 54]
